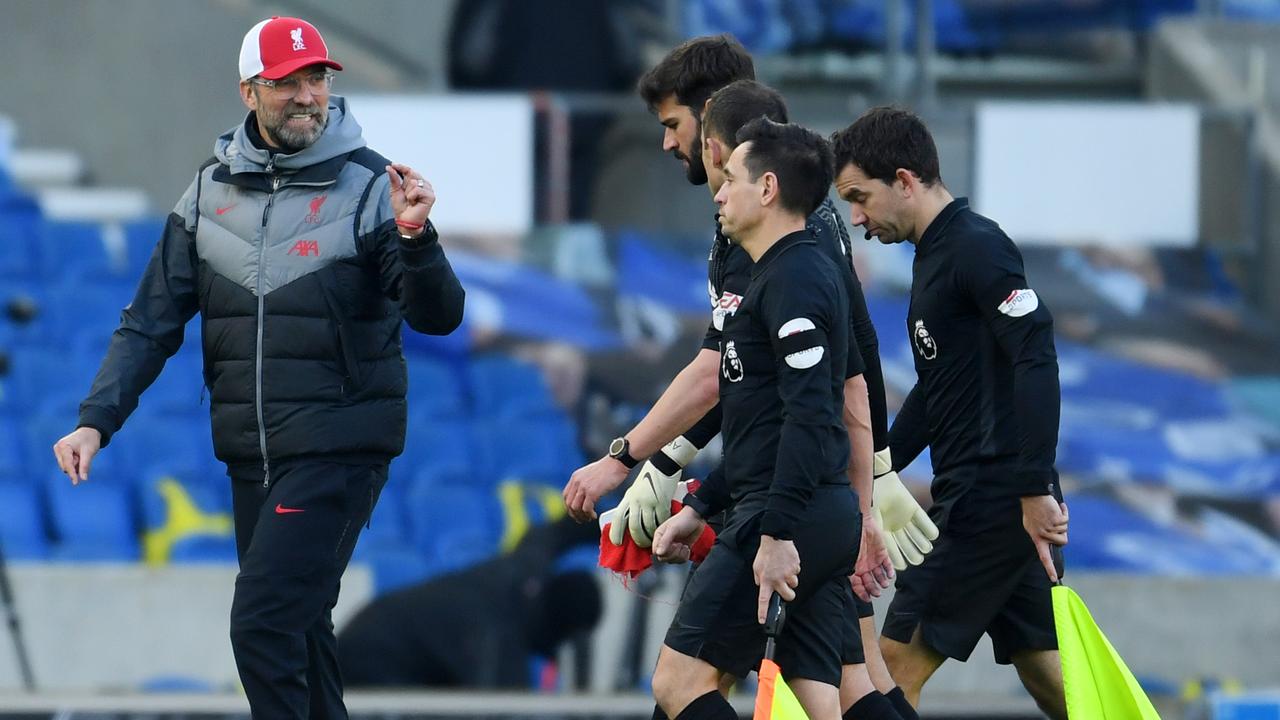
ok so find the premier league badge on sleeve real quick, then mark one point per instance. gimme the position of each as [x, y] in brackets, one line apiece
[731, 364]
[924, 342]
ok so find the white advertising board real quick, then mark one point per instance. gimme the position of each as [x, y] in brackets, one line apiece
[1089, 173]
[477, 151]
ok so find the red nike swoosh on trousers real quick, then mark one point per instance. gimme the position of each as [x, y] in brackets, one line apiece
[223, 209]
[282, 510]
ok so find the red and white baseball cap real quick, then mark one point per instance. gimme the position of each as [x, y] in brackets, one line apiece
[276, 47]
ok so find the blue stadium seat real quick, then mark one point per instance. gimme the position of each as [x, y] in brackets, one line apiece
[20, 223]
[37, 331]
[37, 373]
[504, 387]
[438, 443]
[453, 348]
[457, 551]
[204, 549]
[180, 387]
[22, 530]
[453, 526]
[387, 525]
[61, 403]
[186, 517]
[205, 491]
[393, 566]
[88, 552]
[90, 343]
[12, 456]
[93, 521]
[434, 389]
[160, 442]
[534, 448]
[140, 238]
[76, 251]
[75, 306]
[1107, 535]
[440, 475]
[42, 431]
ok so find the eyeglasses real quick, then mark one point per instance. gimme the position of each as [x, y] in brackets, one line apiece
[287, 88]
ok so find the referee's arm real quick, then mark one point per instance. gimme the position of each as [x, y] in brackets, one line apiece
[804, 388]
[1023, 328]
[909, 435]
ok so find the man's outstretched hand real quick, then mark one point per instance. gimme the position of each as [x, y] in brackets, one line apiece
[588, 484]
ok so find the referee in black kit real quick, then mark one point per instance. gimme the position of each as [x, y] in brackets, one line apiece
[782, 374]
[986, 402]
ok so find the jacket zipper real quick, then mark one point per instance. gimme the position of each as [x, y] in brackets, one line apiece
[262, 255]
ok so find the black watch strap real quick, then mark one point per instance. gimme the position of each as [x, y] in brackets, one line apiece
[622, 454]
[428, 236]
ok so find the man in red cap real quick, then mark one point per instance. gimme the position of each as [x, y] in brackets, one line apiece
[303, 251]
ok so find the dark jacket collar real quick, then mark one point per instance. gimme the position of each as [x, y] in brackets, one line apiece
[324, 173]
[940, 223]
[784, 243]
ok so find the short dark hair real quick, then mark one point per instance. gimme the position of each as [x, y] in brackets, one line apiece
[887, 138]
[798, 156]
[695, 69]
[738, 103]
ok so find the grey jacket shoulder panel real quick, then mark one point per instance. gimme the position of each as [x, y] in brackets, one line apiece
[306, 228]
[186, 206]
[377, 209]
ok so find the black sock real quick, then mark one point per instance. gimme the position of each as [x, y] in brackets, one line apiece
[711, 706]
[899, 700]
[872, 706]
[658, 713]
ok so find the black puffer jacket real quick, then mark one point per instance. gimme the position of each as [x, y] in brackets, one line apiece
[301, 279]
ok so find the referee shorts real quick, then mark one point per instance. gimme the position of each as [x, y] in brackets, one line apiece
[716, 620]
[983, 576]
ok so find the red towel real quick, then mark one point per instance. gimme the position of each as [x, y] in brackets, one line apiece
[629, 559]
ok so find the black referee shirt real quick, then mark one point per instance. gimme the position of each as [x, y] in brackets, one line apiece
[987, 372]
[729, 272]
[782, 372]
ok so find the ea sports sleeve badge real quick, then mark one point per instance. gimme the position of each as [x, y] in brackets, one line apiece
[1019, 303]
[801, 343]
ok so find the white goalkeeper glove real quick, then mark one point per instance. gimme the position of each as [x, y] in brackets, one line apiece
[907, 530]
[647, 503]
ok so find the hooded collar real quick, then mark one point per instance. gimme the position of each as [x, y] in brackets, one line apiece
[244, 163]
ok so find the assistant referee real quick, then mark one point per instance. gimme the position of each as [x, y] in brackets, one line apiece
[986, 403]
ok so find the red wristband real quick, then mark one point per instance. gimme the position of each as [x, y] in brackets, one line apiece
[409, 225]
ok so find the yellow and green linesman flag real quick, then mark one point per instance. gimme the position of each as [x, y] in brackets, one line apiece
[774, 700]
[1098, 685]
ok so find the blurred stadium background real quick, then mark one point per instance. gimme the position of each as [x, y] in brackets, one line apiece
[1131, 147]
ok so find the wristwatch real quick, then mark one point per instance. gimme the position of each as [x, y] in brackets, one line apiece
[620, 450]
[428, 235]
